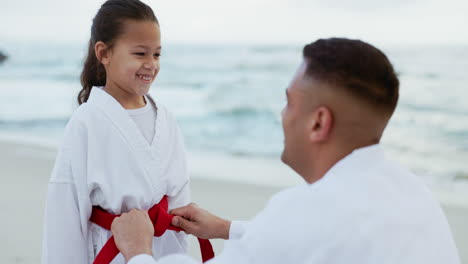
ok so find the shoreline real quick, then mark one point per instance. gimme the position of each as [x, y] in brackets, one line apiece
[279, 175]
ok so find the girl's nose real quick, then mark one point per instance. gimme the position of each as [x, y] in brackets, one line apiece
[151, 64]
[147, 65]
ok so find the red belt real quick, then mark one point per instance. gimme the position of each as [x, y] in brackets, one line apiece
[161, 221]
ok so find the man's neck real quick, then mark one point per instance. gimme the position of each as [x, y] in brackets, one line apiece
[326, 158]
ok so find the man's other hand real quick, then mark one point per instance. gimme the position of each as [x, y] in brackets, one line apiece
[200, 223]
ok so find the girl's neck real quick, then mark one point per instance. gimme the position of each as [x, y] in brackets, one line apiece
[126, 99]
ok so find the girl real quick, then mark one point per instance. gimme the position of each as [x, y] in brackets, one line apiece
[120, 149]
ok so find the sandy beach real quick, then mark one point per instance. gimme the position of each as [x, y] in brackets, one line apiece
[26, 167]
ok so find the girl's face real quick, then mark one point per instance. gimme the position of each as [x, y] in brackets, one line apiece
[133, 62]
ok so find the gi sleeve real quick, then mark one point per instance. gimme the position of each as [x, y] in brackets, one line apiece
[64, 240]
[237, 229]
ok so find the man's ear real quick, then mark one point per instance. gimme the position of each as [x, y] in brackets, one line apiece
[321, 124]
[102, 52]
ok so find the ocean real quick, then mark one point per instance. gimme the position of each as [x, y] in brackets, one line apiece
[228, 99]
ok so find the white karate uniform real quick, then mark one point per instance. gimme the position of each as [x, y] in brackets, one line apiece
[365, 210]
[105, 160]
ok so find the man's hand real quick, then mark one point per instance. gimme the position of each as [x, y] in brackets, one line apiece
[200, 223]
[133, 233]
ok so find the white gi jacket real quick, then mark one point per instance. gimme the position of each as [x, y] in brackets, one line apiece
[104, 160]
[365, 210]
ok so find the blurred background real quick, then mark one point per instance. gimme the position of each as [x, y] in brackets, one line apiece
[224, 68]
[225, 65]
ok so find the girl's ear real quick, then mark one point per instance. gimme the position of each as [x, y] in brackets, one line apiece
[102, 52]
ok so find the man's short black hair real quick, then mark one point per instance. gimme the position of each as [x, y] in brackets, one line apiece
[357, 67]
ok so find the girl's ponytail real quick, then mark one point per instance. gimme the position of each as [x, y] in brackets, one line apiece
[93, 74]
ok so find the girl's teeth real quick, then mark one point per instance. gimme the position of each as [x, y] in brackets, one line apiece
[146, 78]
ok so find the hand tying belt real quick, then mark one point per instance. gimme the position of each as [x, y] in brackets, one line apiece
[161, 220]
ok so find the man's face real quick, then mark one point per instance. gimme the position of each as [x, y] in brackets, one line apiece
[294, 119]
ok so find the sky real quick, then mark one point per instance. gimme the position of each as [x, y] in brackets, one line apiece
[253, 21]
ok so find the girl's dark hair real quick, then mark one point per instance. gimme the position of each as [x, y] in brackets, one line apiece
[107, 26]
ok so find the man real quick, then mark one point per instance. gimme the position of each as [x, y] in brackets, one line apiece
[356, 206]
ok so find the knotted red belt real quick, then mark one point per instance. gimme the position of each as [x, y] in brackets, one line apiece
[161, 220]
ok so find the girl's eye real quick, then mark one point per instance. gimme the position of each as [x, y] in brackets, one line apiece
[139, 53]
[157, 54]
